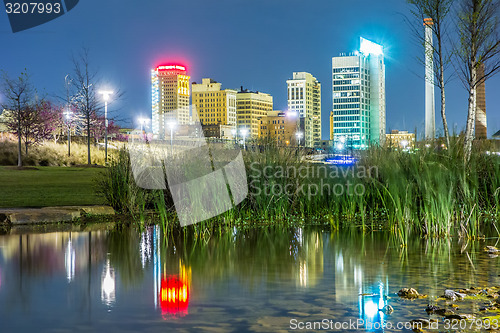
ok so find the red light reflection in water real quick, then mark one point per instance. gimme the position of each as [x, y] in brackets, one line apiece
[174, 297]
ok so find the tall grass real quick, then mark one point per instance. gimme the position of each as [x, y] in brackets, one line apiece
[49, 153]
[426, 192]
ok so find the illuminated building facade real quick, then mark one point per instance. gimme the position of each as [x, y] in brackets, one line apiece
[170, 98]
[250, 108]
[400, 140]
[304, 97]
[214, 106]
[358, 114]
[279, 128]
[219, 131]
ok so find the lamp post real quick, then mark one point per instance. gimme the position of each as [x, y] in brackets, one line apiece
[171, 124]
[143, 122]
[244, 133]
[299, 136]
[342, 145]
[234, 132]
[68, 122]
[105, 95]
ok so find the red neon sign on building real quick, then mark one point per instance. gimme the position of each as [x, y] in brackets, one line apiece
[171, 67]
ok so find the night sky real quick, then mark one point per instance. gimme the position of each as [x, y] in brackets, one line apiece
[257, 44]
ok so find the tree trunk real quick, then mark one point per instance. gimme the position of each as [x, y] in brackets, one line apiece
[471, 116]
[19, 160]
[88, 140]
[443, 99]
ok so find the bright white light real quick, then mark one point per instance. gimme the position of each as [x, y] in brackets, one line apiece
[299, 135]
[171, 124]
[108, 284]
[371, 309]
[108, 295]
[367, 47]
[105, 94]
[292, 114]
[244, 132]
[342, 139]
[404, 143]
[233, 131]
[69, 261]
[340, 146]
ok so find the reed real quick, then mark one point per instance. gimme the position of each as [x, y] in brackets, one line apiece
[426, 192]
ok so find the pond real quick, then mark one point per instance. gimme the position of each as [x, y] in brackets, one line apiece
[260, 280]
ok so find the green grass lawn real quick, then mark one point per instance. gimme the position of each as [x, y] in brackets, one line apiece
[48, 186]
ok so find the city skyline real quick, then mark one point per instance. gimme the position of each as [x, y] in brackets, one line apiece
[124, 53]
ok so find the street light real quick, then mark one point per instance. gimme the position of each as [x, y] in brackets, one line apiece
[234, 132]
[105, 95]
[404, 143]
[67, 115]
[171, 124]
[299, 136]
[143, 122]
[244, 133]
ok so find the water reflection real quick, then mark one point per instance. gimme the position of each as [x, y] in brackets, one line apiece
[108, 295]
[69, 260]
[174, 293]
[252, 280]
[171, 287]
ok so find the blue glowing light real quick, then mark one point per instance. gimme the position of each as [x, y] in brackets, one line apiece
[342, 160]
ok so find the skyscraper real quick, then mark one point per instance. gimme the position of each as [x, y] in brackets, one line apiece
[358, 115]
[250, 108]
[170, 97]
[214, 106]
[279, 127]
[304, 97]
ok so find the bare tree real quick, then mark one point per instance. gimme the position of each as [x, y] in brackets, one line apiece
[479, 45]
[85, 101]
[438, 11]
[17, 93]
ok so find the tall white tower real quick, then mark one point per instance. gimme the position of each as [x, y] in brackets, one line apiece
[430, 118]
